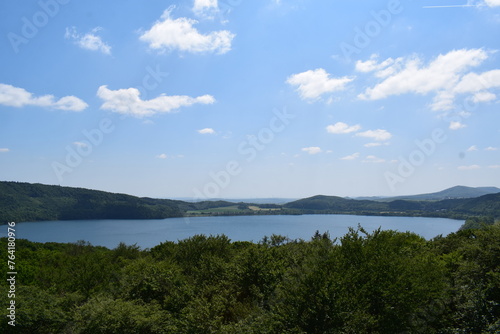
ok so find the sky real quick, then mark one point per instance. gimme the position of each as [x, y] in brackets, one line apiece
[246, 99]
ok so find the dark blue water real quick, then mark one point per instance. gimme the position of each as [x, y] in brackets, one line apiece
[149, 233]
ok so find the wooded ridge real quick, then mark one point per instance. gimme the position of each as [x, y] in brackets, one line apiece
[21, 202]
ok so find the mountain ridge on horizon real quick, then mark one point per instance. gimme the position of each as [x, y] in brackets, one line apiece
[22, 201]
[455, 192]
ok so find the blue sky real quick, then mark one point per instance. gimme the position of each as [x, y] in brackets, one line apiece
[241, 99]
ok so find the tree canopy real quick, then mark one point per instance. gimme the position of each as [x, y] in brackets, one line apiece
[379, 282]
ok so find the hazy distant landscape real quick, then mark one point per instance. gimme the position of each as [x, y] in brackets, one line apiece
[23, 202]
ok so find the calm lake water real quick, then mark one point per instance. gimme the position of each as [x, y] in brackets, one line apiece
[149, 233]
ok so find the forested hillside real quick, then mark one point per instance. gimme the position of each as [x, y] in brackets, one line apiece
[380, 282]
[487, 205]
[21, 202]
[450, 193]
[34, 202]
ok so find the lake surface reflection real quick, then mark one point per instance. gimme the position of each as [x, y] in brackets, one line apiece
[149, 233]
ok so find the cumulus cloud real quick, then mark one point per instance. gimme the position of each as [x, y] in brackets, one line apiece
[207, 131]
[455, 125]
[128, 101]
[483, 97]
[471, 167]
[89, 41]
[180, 34]
[18, 97]
[472, 148]
[374, 144]
[471, 3]
[312, 150]
[314, 83]
[492, 3]
[446, 76]
[491, 148]
[478, 85]
[204, 4]
[350, 157]
[206, 8]
[80, 144]
[373, 159]
[161, 156]
[378, 135]
[342, 128]
[382, 70]
[4, 150]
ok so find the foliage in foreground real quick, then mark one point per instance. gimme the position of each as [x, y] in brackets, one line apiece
[380, 282]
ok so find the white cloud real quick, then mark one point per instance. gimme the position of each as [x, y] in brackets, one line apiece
[207, 131]
[312, 150]
[373, 159]
[370, 65]
[471, 167]
[351, 157]
[494, 166]
[376, 144]
[342, 128]
[180, 34]
[88, 41]
[492, 3]
[483, 97]
[128, 101]
[455, 125]
[18, 97]
[491, 148]
[4, 150]
[314, 83]
[161, 156]
[472, 148]
[445, 76]
[471, 3]
[204, 4]
[378, 135]
[463, 114]
[205, 8]
[80, 144]
[478, 85]
[383, 69]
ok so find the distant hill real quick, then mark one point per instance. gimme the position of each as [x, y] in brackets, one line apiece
[35, 202]
[22, 202]
[450, 193]
[486, 205]
[257, 200]
[334, 203]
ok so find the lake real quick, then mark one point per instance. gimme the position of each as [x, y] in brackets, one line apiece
[149, 233]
